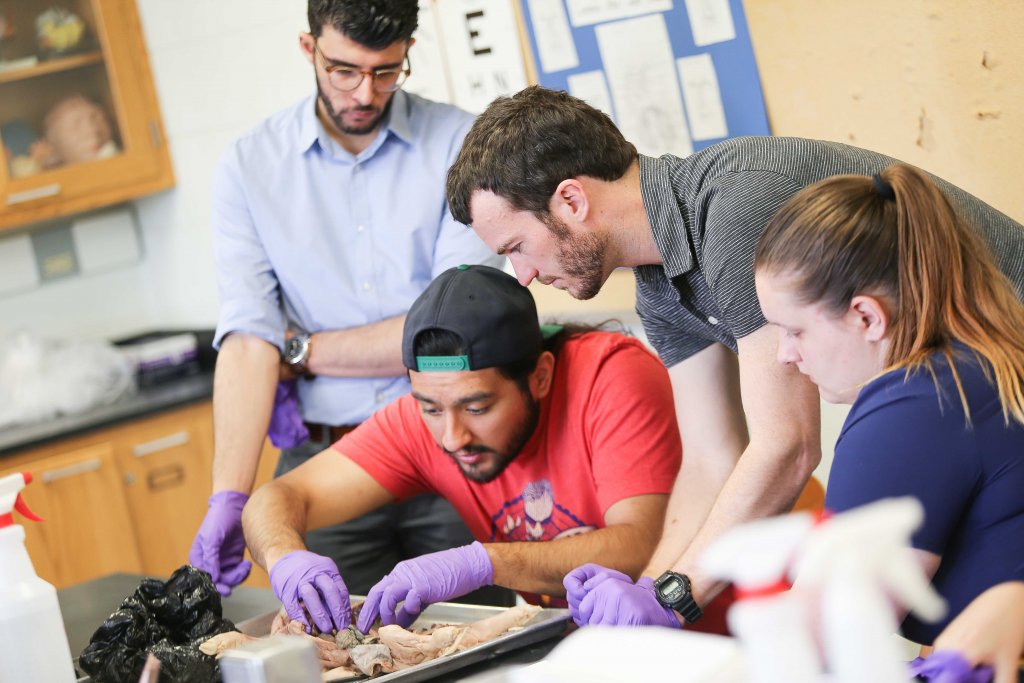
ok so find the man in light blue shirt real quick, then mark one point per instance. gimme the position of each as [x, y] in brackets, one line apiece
[329, 220]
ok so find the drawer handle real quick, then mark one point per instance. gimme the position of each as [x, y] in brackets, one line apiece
[34, 193]
[154, 133]
[162, 444]
[83, 467]
[163, 478]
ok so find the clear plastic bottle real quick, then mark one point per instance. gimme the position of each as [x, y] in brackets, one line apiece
[33, 643]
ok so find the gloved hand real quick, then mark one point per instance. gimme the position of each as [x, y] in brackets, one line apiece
[304, 579]
[949, 666]
[286, 429]
[219, 545]
[581, 580]
[423, 580]
[605, 597]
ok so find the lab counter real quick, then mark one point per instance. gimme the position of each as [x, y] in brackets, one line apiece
[147, 401]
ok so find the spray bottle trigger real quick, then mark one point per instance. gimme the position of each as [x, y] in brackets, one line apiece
[22, 507]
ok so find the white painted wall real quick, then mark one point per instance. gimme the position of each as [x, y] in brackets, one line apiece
[220, 68]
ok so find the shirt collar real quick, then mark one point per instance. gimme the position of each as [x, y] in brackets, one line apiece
[671, 230]
[309, 125]
[397, 122]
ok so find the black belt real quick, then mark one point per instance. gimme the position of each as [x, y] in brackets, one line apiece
[322, 432]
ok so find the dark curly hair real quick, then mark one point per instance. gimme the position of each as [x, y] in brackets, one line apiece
[372, 23]
[523, 146]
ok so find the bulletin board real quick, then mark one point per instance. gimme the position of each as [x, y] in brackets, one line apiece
[674, 75]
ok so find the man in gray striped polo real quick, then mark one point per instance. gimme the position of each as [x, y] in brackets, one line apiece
[550, 182]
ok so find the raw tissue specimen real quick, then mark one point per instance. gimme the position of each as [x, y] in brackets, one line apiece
[387, 648]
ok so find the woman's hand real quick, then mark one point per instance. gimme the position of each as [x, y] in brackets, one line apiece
[990, 630]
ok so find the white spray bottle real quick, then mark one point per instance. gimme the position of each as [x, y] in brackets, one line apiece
[33, 643]
[770, 620]
[862, 563]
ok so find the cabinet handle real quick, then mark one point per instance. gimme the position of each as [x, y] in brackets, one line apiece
[162, 444]
[90, 465]
[34, 193]
[163, 478]
[154, 134]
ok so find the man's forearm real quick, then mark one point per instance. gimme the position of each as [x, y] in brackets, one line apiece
[714, 433]
[243, 396]
[763, 483]
[373, 350]
[539, 567]
[697, 486]
[274, 521]
[778, 432]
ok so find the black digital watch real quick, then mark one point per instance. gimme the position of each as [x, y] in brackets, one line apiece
[673, 591]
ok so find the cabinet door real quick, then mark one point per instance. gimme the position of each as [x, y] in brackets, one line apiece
[88, 531]
[166, 466]
[78, 113]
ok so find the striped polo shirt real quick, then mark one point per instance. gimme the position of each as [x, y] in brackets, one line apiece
[707, 212]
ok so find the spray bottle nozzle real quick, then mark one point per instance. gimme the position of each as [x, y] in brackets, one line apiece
[10, 498]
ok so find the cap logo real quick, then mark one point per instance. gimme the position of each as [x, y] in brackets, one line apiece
[442, 363]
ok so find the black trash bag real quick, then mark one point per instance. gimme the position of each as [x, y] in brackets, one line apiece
[184, 664]
[120, 643]
[168, 618]
[188, 604]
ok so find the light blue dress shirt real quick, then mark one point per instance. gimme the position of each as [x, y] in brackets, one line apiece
[309, 235]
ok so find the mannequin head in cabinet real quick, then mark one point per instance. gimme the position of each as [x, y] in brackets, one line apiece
[78, 130]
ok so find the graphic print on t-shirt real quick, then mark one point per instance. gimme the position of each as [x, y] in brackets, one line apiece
[535, 516]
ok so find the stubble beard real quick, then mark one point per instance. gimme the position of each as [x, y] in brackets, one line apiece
[581, 258]
[521, 436]
[337, 117]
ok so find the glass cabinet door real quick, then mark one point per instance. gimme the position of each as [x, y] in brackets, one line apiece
[78, 116]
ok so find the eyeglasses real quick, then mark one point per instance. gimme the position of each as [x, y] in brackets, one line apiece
[346, 78]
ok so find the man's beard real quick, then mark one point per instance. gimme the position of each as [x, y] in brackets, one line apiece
[337, 117]
[524, 430]
[581, 257]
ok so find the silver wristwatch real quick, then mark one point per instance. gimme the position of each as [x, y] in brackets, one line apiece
[296, 354]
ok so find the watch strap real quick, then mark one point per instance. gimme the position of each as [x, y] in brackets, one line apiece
[690, 610]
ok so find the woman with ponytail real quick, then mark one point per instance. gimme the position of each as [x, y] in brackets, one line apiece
[888, 300]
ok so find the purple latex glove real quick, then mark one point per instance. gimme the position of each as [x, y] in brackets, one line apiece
[423, 580]
[286, 429]
[581, 580]
[304, 579]
[610, 598]
[949, 666]
[219, 546]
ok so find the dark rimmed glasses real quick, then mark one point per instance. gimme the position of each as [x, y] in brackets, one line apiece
[347, 79]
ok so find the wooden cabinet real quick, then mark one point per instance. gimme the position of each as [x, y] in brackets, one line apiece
[124, 499]
[165, 463]
[79, 118]
[88, 530]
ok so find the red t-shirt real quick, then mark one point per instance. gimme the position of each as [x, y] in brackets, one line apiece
[607, 432]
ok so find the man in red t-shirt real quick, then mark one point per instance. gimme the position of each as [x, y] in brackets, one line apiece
[531, 433]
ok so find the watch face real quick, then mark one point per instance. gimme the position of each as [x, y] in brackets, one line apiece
[670, 585]
[293, 349]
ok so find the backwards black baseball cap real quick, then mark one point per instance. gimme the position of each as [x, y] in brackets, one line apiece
[488, 310]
